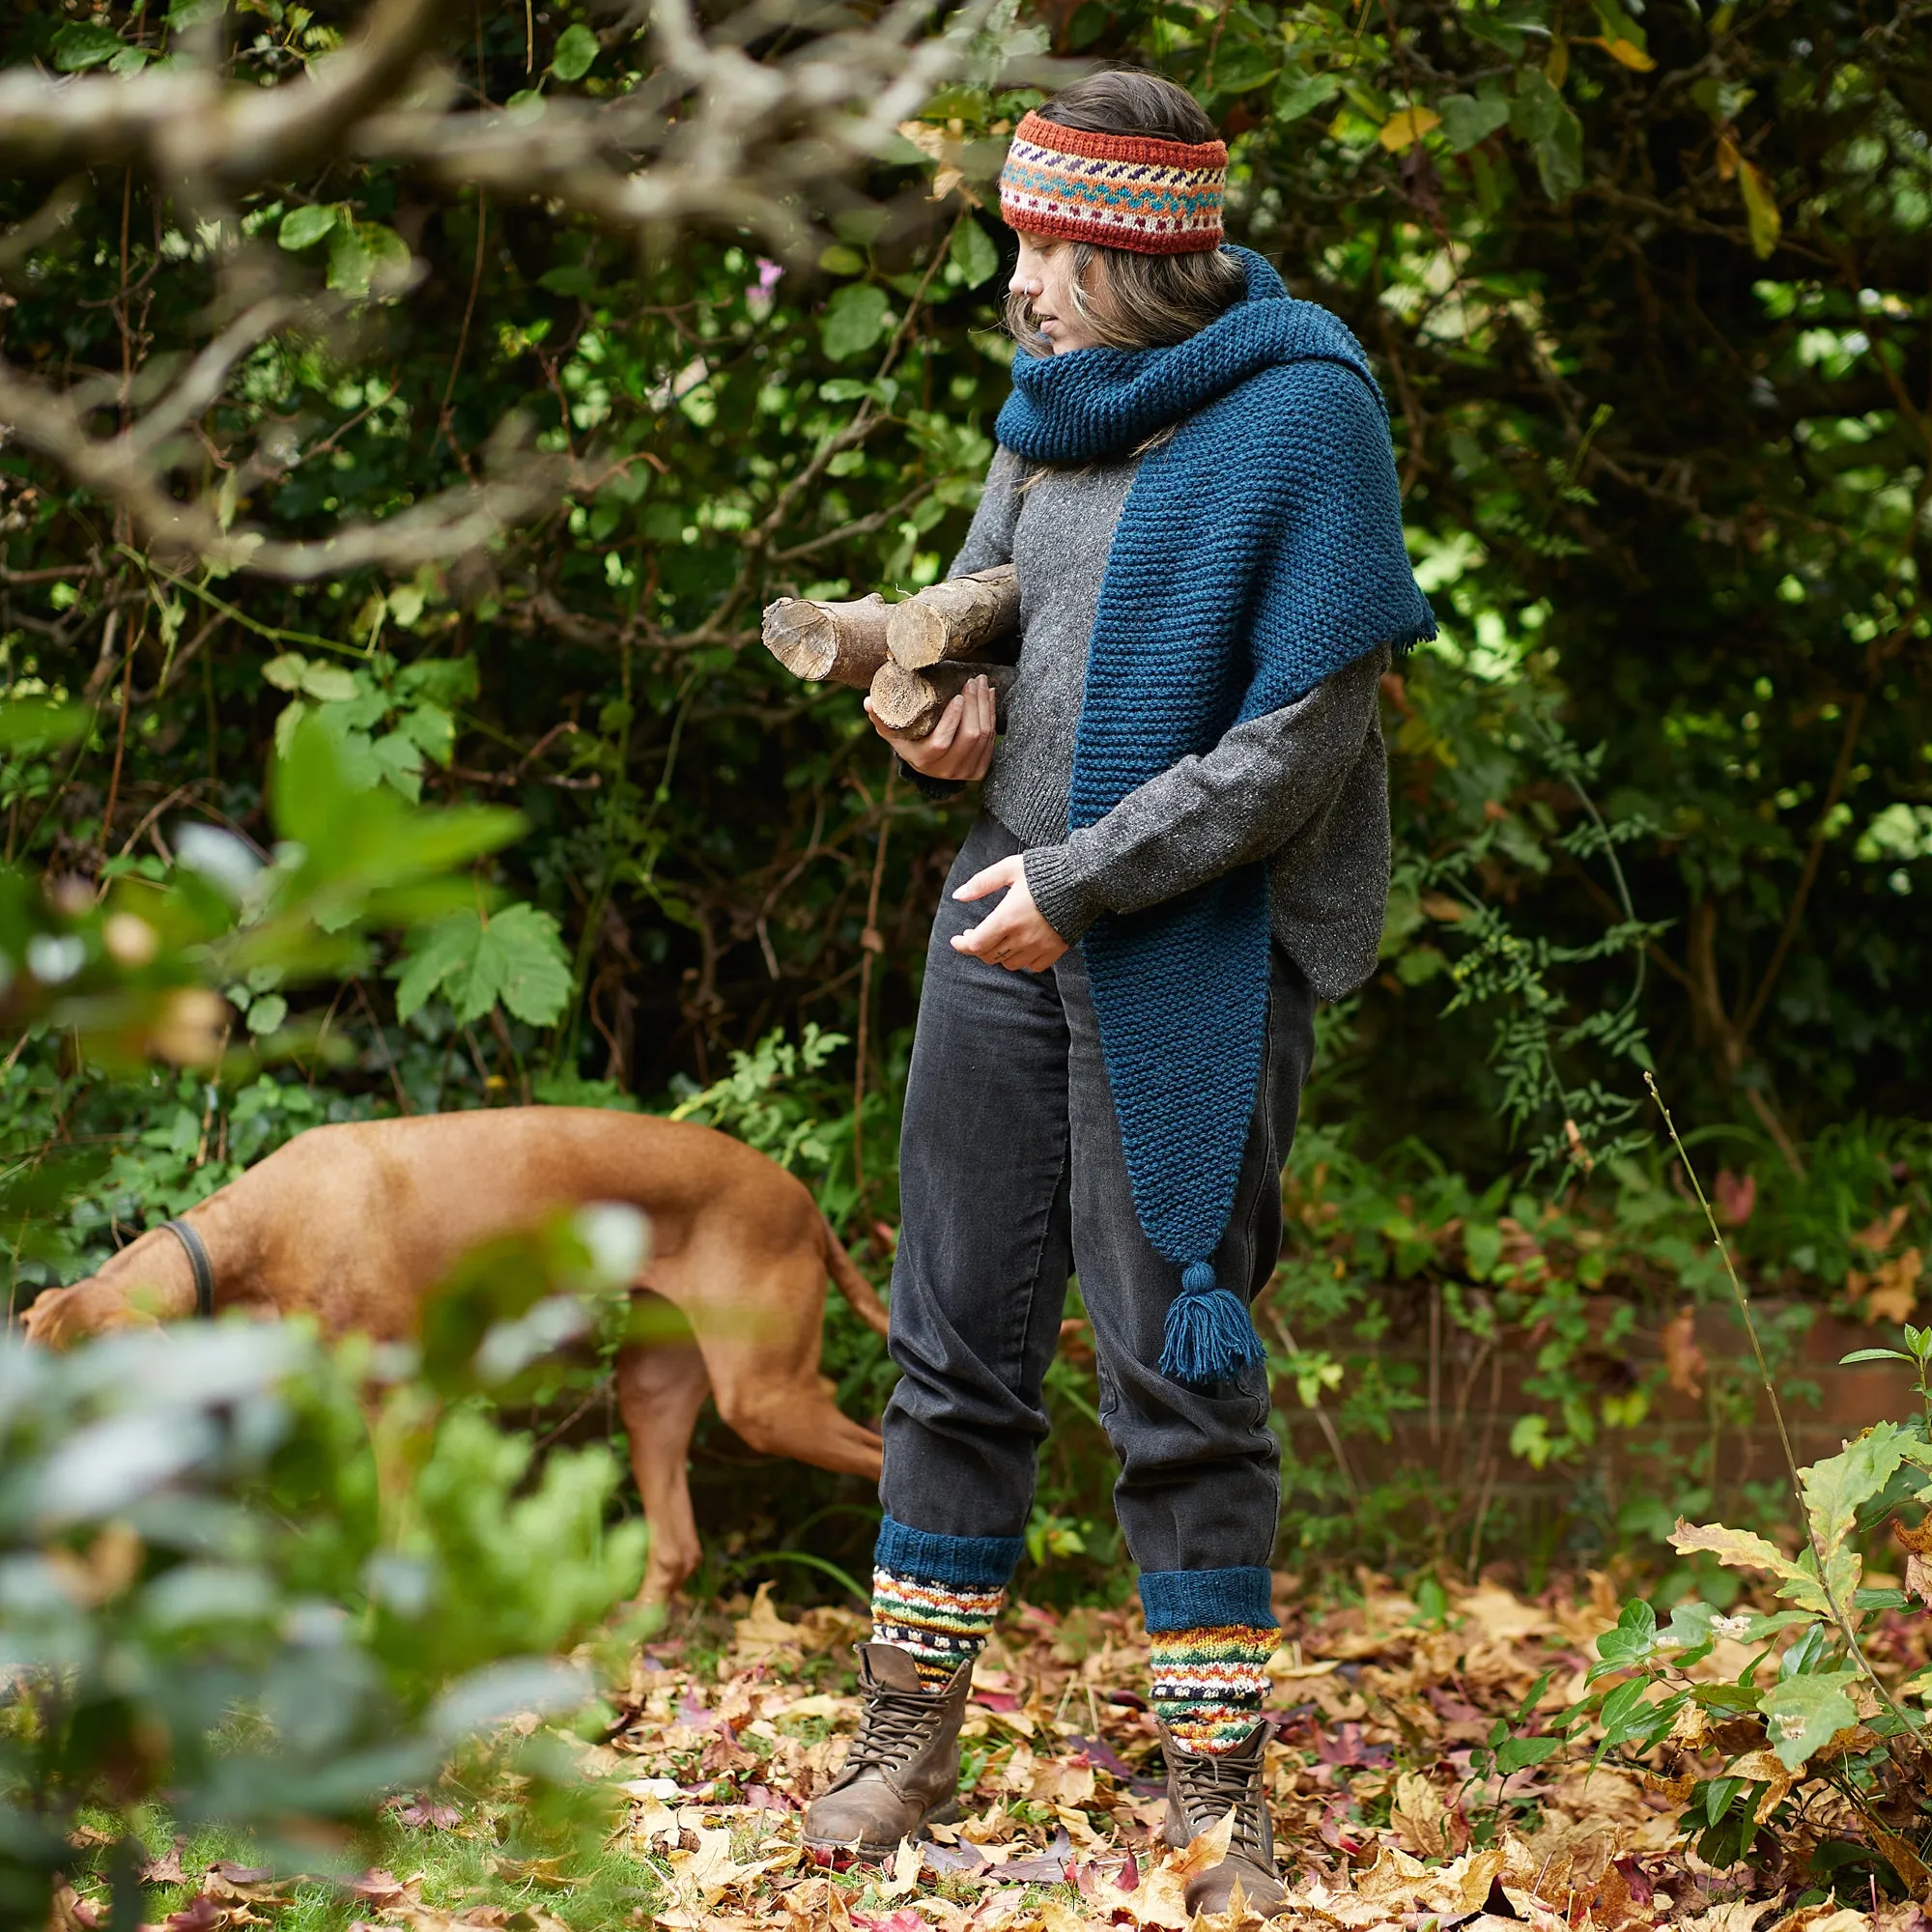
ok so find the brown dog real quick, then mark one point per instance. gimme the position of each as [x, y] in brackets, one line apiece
[354, 1224]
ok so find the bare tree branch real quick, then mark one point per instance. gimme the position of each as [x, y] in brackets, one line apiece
[182, 123]
[711, 134]
[117, 467]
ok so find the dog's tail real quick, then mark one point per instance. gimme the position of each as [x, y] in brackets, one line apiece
[860, 1296]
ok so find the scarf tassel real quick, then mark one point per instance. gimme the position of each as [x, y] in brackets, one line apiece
[1211, 1337]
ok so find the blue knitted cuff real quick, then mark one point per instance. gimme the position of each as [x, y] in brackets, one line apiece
[986, 1561]
[1179, 1600]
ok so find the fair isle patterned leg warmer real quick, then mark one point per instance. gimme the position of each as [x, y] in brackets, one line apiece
[937, 1596]
[1211, 1632]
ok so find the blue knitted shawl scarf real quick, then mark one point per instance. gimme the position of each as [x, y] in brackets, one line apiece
[1260, 549]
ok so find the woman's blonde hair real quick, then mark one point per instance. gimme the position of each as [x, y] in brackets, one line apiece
[1147, 301]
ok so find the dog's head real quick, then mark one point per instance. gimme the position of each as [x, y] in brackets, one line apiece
[60, 1317]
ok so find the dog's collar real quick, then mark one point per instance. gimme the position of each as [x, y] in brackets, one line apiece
[197, 1260]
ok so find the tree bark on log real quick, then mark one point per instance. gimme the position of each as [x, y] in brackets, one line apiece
[912, 701]
[962, 617]
[839, 643]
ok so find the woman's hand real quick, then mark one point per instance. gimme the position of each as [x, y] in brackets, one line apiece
[1015, 934]
[960, 746]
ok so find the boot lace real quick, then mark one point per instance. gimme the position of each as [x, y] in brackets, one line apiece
[895, 1727]
[1209, 1783]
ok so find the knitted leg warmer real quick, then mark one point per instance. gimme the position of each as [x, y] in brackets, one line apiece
[1209, 1683]
[938, 1596]
[1211, 1632]
[942, 1624]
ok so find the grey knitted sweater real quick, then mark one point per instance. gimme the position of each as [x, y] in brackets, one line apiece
[1306, 787]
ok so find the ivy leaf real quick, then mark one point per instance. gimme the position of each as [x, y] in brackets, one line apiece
[1300, 94]
[81, 44]
[854, 319]
[365, 258]
[572, 278]
[576, 51]
[973, 253]
[267, 1013]
[1559, 157]
[1244, 65]
[1537, 107]
[1803, 1713]
[1470, 118]
[303, 227]
[1530, 1439]
[1483, 1246]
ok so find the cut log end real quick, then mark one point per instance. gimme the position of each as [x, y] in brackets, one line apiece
[963, 617]
[839, 643]
[911, 702]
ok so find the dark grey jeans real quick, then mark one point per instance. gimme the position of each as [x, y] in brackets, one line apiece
[1012, 1180]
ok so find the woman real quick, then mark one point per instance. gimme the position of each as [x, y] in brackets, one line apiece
[1184, 844]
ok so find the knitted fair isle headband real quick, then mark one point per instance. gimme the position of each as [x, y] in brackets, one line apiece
[1120, 191]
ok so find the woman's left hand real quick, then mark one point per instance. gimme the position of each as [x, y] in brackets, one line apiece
[1015, 934]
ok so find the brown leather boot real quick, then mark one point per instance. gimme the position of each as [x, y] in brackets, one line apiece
[1202, 1787]
[904, 1767]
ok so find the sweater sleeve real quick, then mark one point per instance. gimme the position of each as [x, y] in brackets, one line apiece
[988, 541]
[1255, 791]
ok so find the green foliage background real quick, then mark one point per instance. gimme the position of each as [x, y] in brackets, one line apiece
[1648, 295]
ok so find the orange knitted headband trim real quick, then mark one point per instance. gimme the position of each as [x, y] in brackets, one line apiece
[1118, 191]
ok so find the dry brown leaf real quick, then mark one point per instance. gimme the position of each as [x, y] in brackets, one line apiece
[1206, 1848]
[1684, 1361]
[72, 1913]
[1056, 1781]
[905, 1871]
[1054, 1917]
[1502, 1617]
[762, 1636]
[1891, 1290]
[1417, 1817]
[167, 1869]
[1882, 1233]
[1741, 1915]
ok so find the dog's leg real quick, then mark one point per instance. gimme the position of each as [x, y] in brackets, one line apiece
[765, 1375]
[661, 1386]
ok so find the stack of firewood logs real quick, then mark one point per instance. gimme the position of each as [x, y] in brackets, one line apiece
[913, 656]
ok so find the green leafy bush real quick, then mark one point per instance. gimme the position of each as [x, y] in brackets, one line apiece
[272, 1582]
